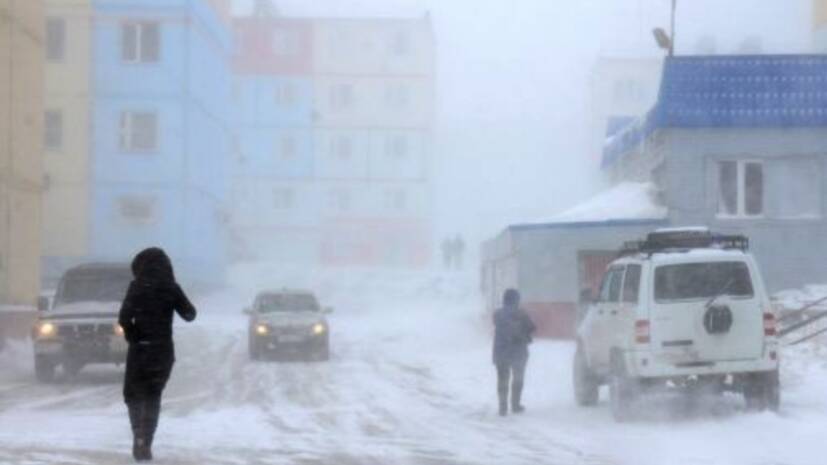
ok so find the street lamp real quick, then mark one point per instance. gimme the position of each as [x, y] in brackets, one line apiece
[664, 40]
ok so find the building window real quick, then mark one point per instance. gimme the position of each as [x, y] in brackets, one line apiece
[55, 39]
[341, 96]
[53, 129]
[285, 43]
[137, 209]
[139, 131]
[398, 96]
[740, 188]
[286, 94]
[339, 199]
[396, 199]
[401, 44]
[288, 146]
[141, 42]
[283, 199]
[343, 147]
[396, 147]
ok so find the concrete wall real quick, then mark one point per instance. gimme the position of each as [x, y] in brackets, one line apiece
[789, 248]
[21, 135]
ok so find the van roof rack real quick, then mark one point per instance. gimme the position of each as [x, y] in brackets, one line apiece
[682, 240]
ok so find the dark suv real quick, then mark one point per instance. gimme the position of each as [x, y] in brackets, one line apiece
[288, 323]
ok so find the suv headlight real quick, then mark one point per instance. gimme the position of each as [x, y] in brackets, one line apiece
[262, 330]
[46, 329]
[319, 329]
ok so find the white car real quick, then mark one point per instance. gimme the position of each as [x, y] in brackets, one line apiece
[685, 308]
[288, 323]
[81, 326]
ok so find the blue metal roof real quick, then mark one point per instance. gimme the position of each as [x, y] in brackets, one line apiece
[744, 91]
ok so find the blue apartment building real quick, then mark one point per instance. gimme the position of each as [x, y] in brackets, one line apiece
[274, 203]
[161, 137]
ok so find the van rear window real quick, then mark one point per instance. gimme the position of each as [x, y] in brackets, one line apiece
[690, 281]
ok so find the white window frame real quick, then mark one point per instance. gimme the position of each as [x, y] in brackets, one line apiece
[150, 200]
[396, 200]
[284, 198]
[287, 141]
[286, 94]
[140, 55]
[285, 42]
[741, 194]
[48, 130]
[61, 22]
[127, 132]
[340, 200]
[342, 96]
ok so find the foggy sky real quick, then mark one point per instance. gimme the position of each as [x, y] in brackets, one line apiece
[514, 87]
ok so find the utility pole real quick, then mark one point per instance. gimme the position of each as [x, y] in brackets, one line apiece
[672, 29]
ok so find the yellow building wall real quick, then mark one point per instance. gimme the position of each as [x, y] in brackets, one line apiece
[21, 115]
[819, 13]
[66, 190]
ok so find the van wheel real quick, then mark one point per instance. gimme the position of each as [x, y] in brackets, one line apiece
[44, 370]
[586, 385]
[762, 391]
[253, 348]
[623, 392]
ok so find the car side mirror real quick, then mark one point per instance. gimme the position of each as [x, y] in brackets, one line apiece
[42, 303]
[247, 311]
[327, 310]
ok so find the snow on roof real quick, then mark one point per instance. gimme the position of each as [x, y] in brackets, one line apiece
[625, 201]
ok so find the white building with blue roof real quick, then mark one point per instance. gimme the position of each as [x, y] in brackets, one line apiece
[734, 143]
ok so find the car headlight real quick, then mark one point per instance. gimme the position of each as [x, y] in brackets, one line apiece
[319, 328]
[262, 330]
[46, 329]
[118, 329]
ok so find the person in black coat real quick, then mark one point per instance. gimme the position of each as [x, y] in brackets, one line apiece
[512, 334]
[146, 318]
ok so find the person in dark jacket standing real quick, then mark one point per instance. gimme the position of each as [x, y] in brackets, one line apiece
[146, 318]
[512, 334]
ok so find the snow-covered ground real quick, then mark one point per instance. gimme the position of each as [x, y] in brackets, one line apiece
[410, 382]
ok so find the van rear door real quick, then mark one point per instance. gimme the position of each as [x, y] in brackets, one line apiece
[706, 312]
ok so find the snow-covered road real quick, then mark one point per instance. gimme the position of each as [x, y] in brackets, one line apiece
[410, 382]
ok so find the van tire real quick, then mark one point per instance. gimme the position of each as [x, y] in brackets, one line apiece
[762, 391]
[623, 391]
[586, 384]
[254, 349]
[44, 370]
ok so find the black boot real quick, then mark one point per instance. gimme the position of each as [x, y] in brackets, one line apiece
[516, 396]
[136, 419]
[153, 412]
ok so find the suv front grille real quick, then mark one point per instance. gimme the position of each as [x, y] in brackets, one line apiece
[85, 330]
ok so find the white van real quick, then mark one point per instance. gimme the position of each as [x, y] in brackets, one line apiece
[684, 308]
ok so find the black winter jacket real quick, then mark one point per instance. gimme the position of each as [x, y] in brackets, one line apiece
[147, 310]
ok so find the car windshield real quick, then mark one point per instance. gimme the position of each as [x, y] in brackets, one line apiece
[693, 281]
[287, 303]
[98, 286]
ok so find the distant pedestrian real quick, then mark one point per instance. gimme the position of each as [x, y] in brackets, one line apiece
[447, 253]
[513, 331]
[459, 251]
[146, 318]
